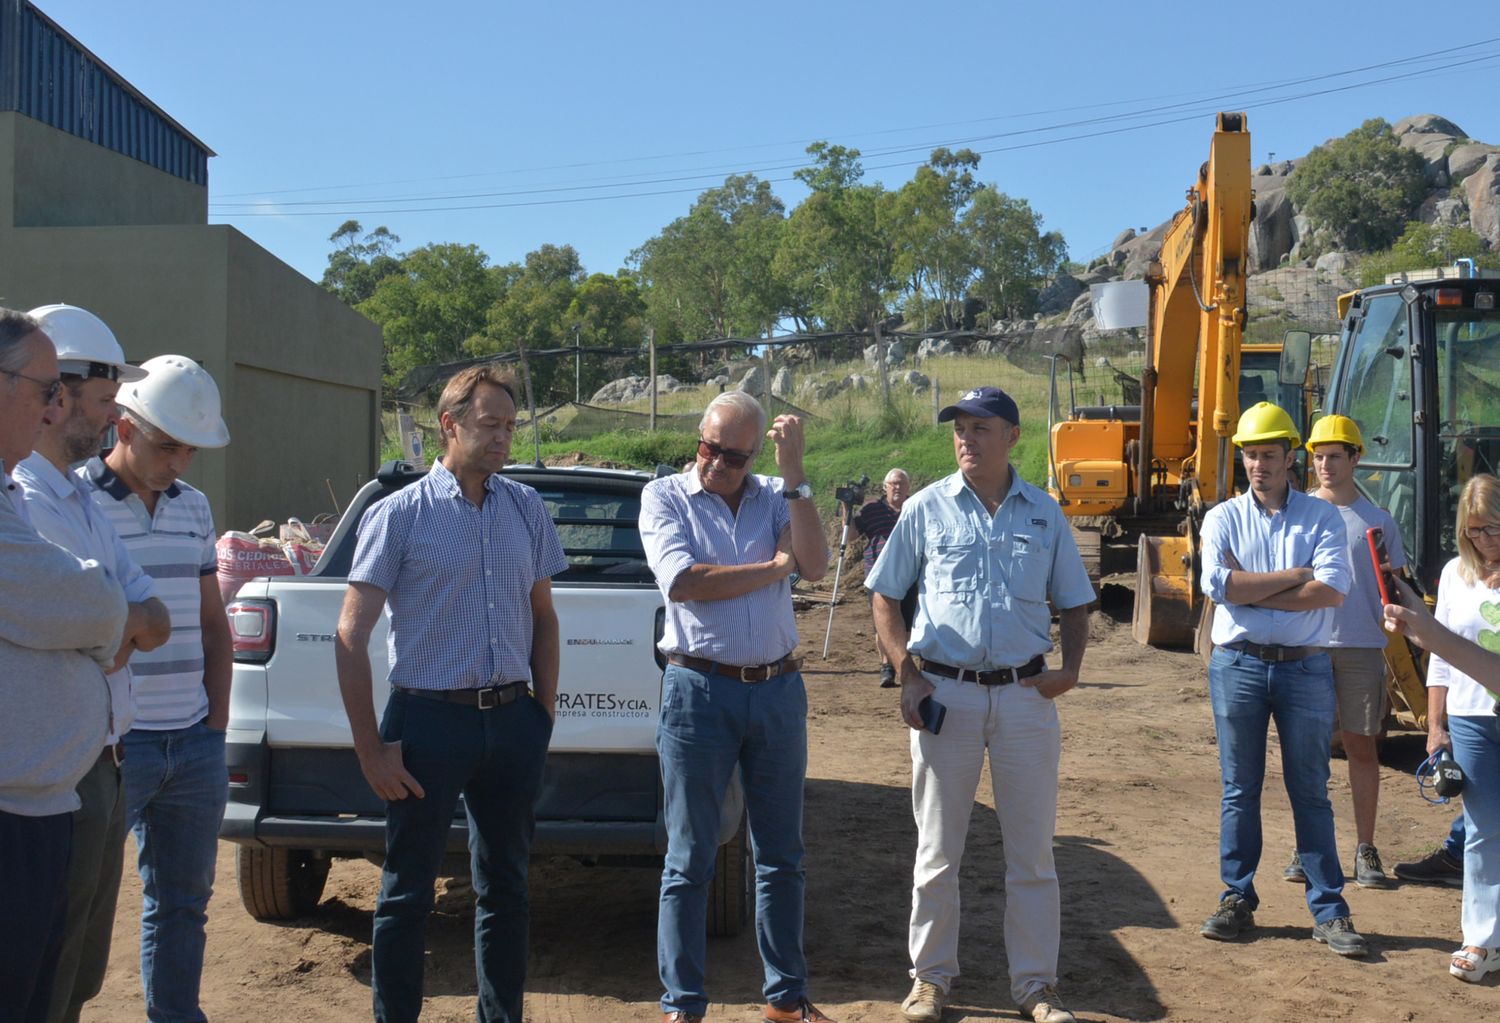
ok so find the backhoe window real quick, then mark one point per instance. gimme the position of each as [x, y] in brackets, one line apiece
[1378, 376]
[1468, 405]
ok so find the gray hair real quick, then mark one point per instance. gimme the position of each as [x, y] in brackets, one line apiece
[898, 473]
[15, 327]
[737, 405]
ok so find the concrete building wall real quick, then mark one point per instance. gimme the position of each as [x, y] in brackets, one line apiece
[60, 180]
[299, 372]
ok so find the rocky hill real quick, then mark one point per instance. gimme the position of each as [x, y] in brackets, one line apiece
[1463, 179]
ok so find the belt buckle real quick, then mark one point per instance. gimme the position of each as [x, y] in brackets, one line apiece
[751, 667]
[488, 698]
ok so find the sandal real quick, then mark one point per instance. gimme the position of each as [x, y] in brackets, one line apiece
[1479, 964]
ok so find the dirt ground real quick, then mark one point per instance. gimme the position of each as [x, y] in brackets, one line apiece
[1137, 839]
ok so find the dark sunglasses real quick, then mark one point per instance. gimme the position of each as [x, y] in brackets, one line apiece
[734, 459]
[51, 388]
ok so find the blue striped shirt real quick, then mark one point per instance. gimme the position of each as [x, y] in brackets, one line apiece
[1306, 532]
[984, 578]
[63, 511]
[683, 525]
[175, 547]
[458, 578]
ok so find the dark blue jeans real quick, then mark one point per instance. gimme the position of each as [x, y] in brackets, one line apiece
[494, 758]
[1247, 693]
[33, 896]
[709, 723]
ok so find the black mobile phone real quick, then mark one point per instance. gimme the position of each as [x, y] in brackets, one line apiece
[932, 714]
[1375, 539]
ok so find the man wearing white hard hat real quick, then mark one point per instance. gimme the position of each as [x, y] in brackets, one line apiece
[91, 367]
[176, 782]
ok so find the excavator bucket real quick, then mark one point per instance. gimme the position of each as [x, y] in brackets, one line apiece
[1164, 614]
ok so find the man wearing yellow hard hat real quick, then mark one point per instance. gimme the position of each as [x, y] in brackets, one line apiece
[1356, 645]
[1276, 565]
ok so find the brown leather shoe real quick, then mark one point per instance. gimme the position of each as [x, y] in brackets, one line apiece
[802, 1012]
[678, 1016]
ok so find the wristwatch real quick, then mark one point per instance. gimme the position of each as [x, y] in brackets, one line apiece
[801, 492]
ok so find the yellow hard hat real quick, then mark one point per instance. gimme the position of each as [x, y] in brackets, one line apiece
[1264, 422]
[1336, 429]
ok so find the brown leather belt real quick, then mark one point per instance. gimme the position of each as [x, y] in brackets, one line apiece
[745, 673]
[1272, 652]
[113, 755]
[991, 677]
[484, 699]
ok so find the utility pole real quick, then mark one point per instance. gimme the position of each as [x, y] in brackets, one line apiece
[767, 363]
[577, 365]
[536, 435]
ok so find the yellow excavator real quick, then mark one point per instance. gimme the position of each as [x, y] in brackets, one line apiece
[1150, 471]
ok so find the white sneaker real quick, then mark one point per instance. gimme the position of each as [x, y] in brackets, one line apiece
[1044, 1005]
[925, 1003]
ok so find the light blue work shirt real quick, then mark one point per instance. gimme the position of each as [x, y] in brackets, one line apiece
[458, 578]
[985, 580]
[62, 510]
[683, 525]
[1306, 532]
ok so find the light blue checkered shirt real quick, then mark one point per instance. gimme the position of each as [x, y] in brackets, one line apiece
[984, 579]
[458, 579]
[684, 525]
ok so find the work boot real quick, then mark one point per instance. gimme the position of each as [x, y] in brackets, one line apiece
[802, 1011]
[1293, 871]
[1044, 1005]
[1437, 867]
[925, 1003]
[1368, 870]
[1339, 934]
[887, 676]
[1230, 920]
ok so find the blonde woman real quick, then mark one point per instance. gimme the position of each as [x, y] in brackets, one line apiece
[1461, 714]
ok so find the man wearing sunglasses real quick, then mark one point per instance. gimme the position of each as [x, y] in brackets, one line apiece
[61, 621]
[62, 509]
[722, 543]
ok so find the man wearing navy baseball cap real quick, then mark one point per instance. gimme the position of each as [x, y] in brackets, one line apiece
[988, 549]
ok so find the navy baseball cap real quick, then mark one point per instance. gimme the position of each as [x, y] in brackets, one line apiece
[984, 402]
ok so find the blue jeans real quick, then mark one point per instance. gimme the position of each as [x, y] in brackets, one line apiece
[709, 723]
[176, 785]
[1476, 747]
[495, 758]
[1247, 693]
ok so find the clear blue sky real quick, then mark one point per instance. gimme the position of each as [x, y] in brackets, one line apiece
[464, 104]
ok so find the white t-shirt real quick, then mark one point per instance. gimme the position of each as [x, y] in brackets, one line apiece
[1473, 611]
[1357, 623]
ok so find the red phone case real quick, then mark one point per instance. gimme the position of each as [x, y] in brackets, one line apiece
[1375, 539]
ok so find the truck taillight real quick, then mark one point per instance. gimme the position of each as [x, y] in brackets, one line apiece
[252, 630]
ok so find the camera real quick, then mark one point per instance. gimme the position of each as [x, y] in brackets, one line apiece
[853, 492]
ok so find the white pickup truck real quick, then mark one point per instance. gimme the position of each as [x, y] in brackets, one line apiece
[297, 798]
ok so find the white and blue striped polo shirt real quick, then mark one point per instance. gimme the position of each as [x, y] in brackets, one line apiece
[176, 548]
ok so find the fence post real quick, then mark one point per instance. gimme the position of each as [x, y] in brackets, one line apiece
[651, 343]
[885, 376]
[937, 401]
[767, 363]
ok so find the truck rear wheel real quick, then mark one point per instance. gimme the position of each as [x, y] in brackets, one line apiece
[729, 898]
[280, 884]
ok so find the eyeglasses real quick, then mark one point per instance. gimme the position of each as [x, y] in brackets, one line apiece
[1475, 532]
[707, 449]
[51, 388]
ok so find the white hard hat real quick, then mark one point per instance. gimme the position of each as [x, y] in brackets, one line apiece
[180, 399]
[85, 346]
